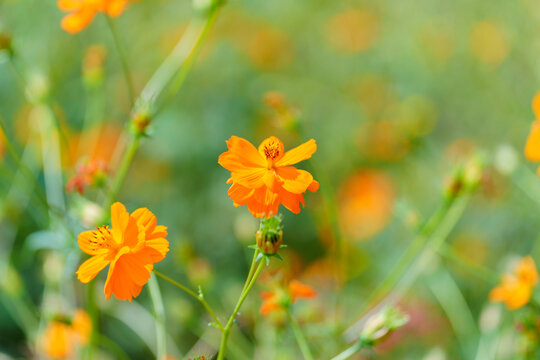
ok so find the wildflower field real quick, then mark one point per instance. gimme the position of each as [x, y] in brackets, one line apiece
[248, 179]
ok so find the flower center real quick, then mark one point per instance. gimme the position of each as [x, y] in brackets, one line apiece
[102, 238]
[271, 150]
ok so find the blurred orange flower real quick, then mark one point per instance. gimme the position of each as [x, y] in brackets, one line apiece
[82, 12]
[532, 146]
[353, 30]
[366, 201]
[283, 298]
[62, 336]
[264, 179]
[93, 172]
[516, 289]
[130, 247]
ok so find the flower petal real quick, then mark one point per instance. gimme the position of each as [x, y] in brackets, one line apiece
[69, 5]
[299, 153]
[91, 267]
[532, 147]
[88, 243]
[77, 21]
[294, 180]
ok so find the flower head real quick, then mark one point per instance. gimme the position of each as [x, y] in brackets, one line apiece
[131, 247]
[94, 172]
[263, 179]
[516, 289]
[379, 326]
[282, 298]
[82, 12]
[62, 335]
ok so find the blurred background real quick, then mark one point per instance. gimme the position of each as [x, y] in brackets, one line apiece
[396, 94]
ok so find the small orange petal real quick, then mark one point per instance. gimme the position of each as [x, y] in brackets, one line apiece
[299, 290]
[271, 149]
[294, 180]
[532, 146]
[536, 105]
[77, 21]
[91, 267]
[299, 153]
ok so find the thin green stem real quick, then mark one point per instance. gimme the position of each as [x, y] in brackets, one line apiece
[178, 64]
[110, 345]
[251, 269]
[479, 271]
[300, 338]
[230, 322]
[410, 254]
[347, 353]
[123, 170]
[123, 60]
[159, 313]
[193, 294]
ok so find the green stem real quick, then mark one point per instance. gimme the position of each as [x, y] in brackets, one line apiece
[300, 338]
[347, 353]
[123, 60]
[116, 350]
[123, 170]
[159, 313]
[251, 269]
[192, 293]
[179, 62]
[479, 271]
[230, 322]
[410, 254]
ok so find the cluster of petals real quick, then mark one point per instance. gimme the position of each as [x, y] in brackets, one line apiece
[61, 337]
[131, 247]
[281, 298]
[263, 178]
[87, 174]
[532, 146]
[82, 12]
[516, 288]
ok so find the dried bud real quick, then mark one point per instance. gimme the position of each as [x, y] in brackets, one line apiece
[381, 325]
[5, 43]
[92, 67]
[139, 123]
[270, 235]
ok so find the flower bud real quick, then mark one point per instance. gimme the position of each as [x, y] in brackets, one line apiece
[270, 235]
[379, 326]
[139, 123]
[93, 65]
[5, 43]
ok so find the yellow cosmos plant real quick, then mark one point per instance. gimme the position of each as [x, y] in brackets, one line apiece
[131, 247]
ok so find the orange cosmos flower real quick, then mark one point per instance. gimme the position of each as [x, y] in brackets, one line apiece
[263, 179]
[516, 289]
[93, 172]
[130, 247]
[62, 335]
[82, 12]
[532, 147]
[283, 298]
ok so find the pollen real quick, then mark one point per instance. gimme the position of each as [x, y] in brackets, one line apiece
[271, 150]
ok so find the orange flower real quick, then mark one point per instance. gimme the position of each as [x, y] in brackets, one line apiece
[82, 12]
[282, 299]
[264, 179]
[532, 147]
[60, 338]
[516, 289]
[94, 172]
[130, 247]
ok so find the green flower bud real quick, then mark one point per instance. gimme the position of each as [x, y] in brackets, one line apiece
[270, 235]
[379, 326]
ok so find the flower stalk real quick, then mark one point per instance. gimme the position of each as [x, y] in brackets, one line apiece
[198, 297]
[247, 288]
[300, 338]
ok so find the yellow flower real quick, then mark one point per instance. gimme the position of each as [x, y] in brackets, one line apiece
[516, 289]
